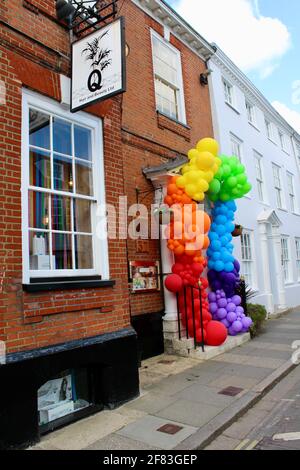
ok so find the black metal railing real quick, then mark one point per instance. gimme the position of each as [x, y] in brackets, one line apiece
[183, 314]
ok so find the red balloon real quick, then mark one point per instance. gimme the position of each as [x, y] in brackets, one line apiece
[197, 268]
[177, 268]
[216, 333]
[199, 335]
[173, 283]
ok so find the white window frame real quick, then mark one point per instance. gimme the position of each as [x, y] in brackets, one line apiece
[248, 256]
[286, 259]
[260, 178]
[100, 244]
[270, 130]
[251, 113]
[236, 141]
[283, 141]
[278, 186]
[297, 247]
[229, 94]
[180, 87]
[291, 192]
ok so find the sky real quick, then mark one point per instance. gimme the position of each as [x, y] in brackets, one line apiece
[262, 37]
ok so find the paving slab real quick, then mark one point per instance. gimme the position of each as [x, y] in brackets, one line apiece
[117, 442]
[224, 381]
[207, 395]
[246, 371]
[189, 412]
[146, 430]
[152, 402]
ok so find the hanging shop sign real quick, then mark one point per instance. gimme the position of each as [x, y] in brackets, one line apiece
[98, 66]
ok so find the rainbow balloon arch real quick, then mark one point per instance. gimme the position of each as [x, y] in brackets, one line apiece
[202, 245]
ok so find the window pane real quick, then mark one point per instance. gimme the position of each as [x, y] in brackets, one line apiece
[62, 250]
[40, 172]
[82, 216]
[61, 213]
[83, 252]
[62, 173]
[84, 178]
[38, 210]
[39, 129]
[39, 258]
[83, 144]
[62, 142]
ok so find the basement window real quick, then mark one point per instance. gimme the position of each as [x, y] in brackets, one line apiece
[62, 187]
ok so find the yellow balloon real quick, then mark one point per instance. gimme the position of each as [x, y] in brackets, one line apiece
[191, 189]
[193, 153]
[198, 197]
[192, 176]
[181, 182]
[205, 161]
[208, 145]
[202, 186]
[209, 175]
[185, 169]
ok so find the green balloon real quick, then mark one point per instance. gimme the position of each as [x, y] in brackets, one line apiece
[241, 179]
[226, 170]
[213, 197]
[215, 186]
[231, 182]
[240, 169]
[225, 197]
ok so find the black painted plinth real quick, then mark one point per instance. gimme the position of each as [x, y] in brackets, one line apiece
[111, 360]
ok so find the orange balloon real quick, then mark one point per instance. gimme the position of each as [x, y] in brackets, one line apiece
[168, 200]
[172, 189]
[206, 242]
[179, 250]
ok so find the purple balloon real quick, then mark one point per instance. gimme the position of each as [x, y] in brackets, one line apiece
[223, 294]
[222, 303]
[222, 313]
[236, 299]
[232, 317]
[237, 265]
[231, 307]
[212, 297]
[237, 326]
[231, 331]
[239, 310]
[225, 323]
[213, 307]
[246, 322]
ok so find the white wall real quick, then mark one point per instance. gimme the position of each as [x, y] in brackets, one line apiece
[229, 120]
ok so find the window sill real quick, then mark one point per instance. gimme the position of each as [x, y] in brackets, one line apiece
[282, 209]
[49, 284]
[172, 125]
[273, 141]
[233, 108]
[254, 126]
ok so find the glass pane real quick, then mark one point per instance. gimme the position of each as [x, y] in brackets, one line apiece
[82, 216]
[83, 143]
[38, 210]
[39, 129]
[40, 171]
[39, 258]
[84, 251]
[84, 178]
[62, 250]
[61, 213]
[62, 142]
[62, 173]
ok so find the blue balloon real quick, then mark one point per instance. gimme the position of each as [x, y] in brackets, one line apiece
[219, 266]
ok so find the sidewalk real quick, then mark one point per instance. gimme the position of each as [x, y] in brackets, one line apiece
[185, 403]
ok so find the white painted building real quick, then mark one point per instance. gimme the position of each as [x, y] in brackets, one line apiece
[247, 126]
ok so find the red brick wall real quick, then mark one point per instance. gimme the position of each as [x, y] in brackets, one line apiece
[30, 320]
[150, 139]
